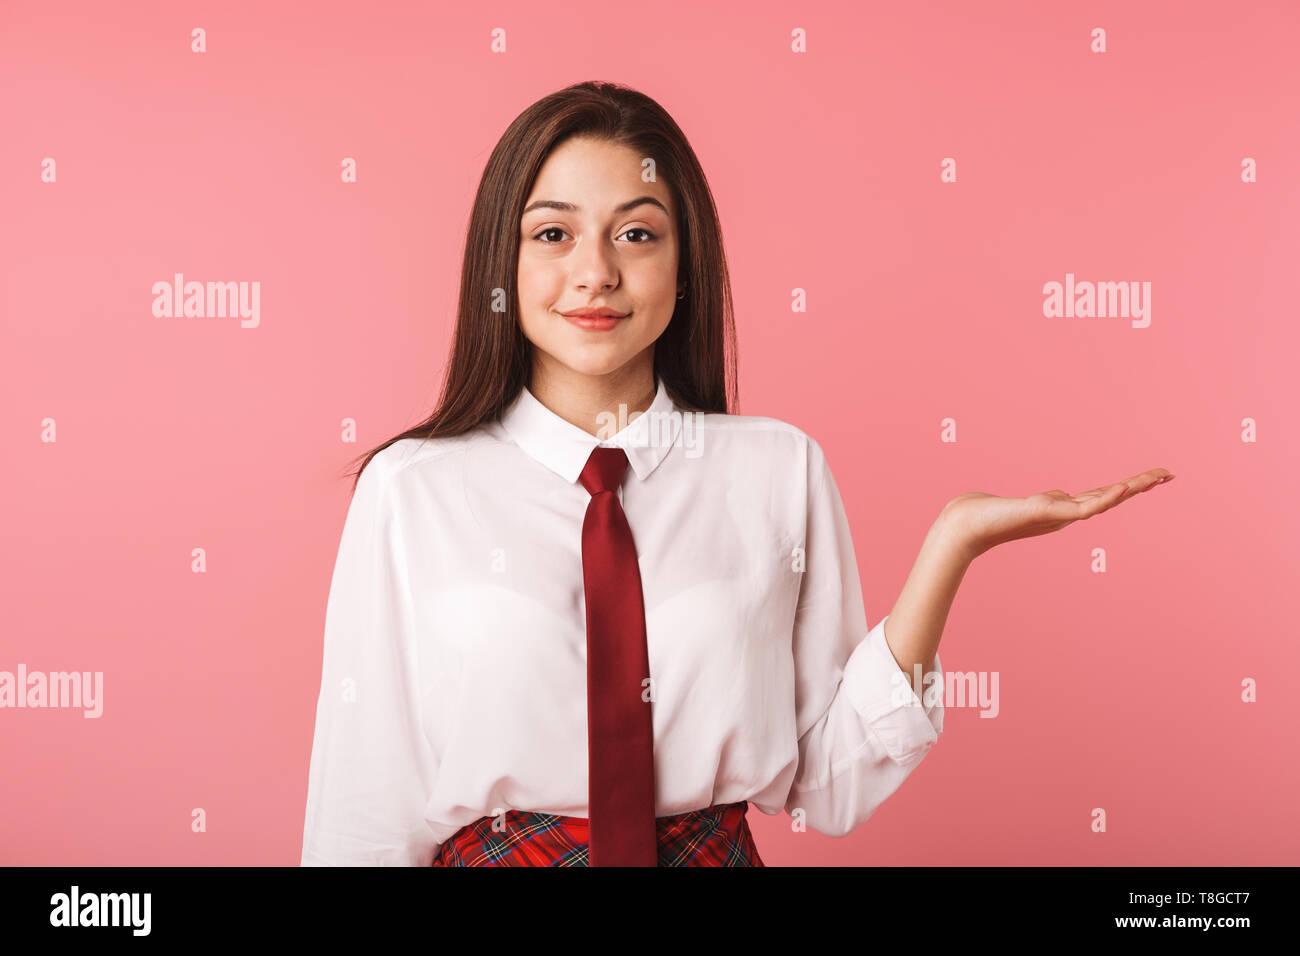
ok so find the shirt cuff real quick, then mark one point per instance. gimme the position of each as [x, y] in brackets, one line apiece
[882, 693]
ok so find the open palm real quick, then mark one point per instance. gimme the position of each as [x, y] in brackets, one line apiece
[985, 521]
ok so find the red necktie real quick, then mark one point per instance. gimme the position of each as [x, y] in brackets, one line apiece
[620, 735]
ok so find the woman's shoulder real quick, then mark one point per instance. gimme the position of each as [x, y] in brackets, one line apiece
[760, 441]
[407, 454]
[757, 430]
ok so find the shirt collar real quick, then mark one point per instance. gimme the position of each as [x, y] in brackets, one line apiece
[564, 447]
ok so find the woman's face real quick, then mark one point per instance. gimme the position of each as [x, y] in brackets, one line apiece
[594, 235]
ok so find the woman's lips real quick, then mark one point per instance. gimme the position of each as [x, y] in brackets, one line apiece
[595, 323]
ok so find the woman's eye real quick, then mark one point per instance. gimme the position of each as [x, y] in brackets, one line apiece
[556, 229]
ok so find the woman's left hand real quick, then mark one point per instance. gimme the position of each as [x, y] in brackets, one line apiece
[984, 521]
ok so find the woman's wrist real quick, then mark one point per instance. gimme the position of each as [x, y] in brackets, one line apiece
[956, 535]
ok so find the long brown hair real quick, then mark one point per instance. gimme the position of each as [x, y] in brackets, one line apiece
[490, 356]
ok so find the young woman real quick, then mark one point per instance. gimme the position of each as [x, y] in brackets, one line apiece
[583, 615]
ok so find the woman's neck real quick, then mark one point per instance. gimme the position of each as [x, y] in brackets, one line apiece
[592, 402]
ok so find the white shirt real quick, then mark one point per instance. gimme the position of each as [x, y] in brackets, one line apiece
[454, 680]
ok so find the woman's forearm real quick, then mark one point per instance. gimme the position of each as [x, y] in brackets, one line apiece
[915, 625]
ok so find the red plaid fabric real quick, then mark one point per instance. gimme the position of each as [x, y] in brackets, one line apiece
[715, 836]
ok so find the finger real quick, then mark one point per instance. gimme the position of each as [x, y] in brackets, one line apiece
[1149, 479]
[1094, 492]
[1115, 490]
[1082, 506]
[1159, 481]
[1104, 502]
[1112, 486]
[1142, 480]
[1150, 476]
[1143, 483]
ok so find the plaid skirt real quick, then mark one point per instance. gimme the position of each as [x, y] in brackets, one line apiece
[715, 836]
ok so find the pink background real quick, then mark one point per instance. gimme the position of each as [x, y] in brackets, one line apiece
[1119, 690]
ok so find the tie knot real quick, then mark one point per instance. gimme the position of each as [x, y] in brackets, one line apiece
[604, 469]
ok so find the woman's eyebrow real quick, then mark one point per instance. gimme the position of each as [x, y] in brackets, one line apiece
[570, 207]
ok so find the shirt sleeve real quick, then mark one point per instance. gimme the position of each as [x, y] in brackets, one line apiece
[372, 768]
[862, 729]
